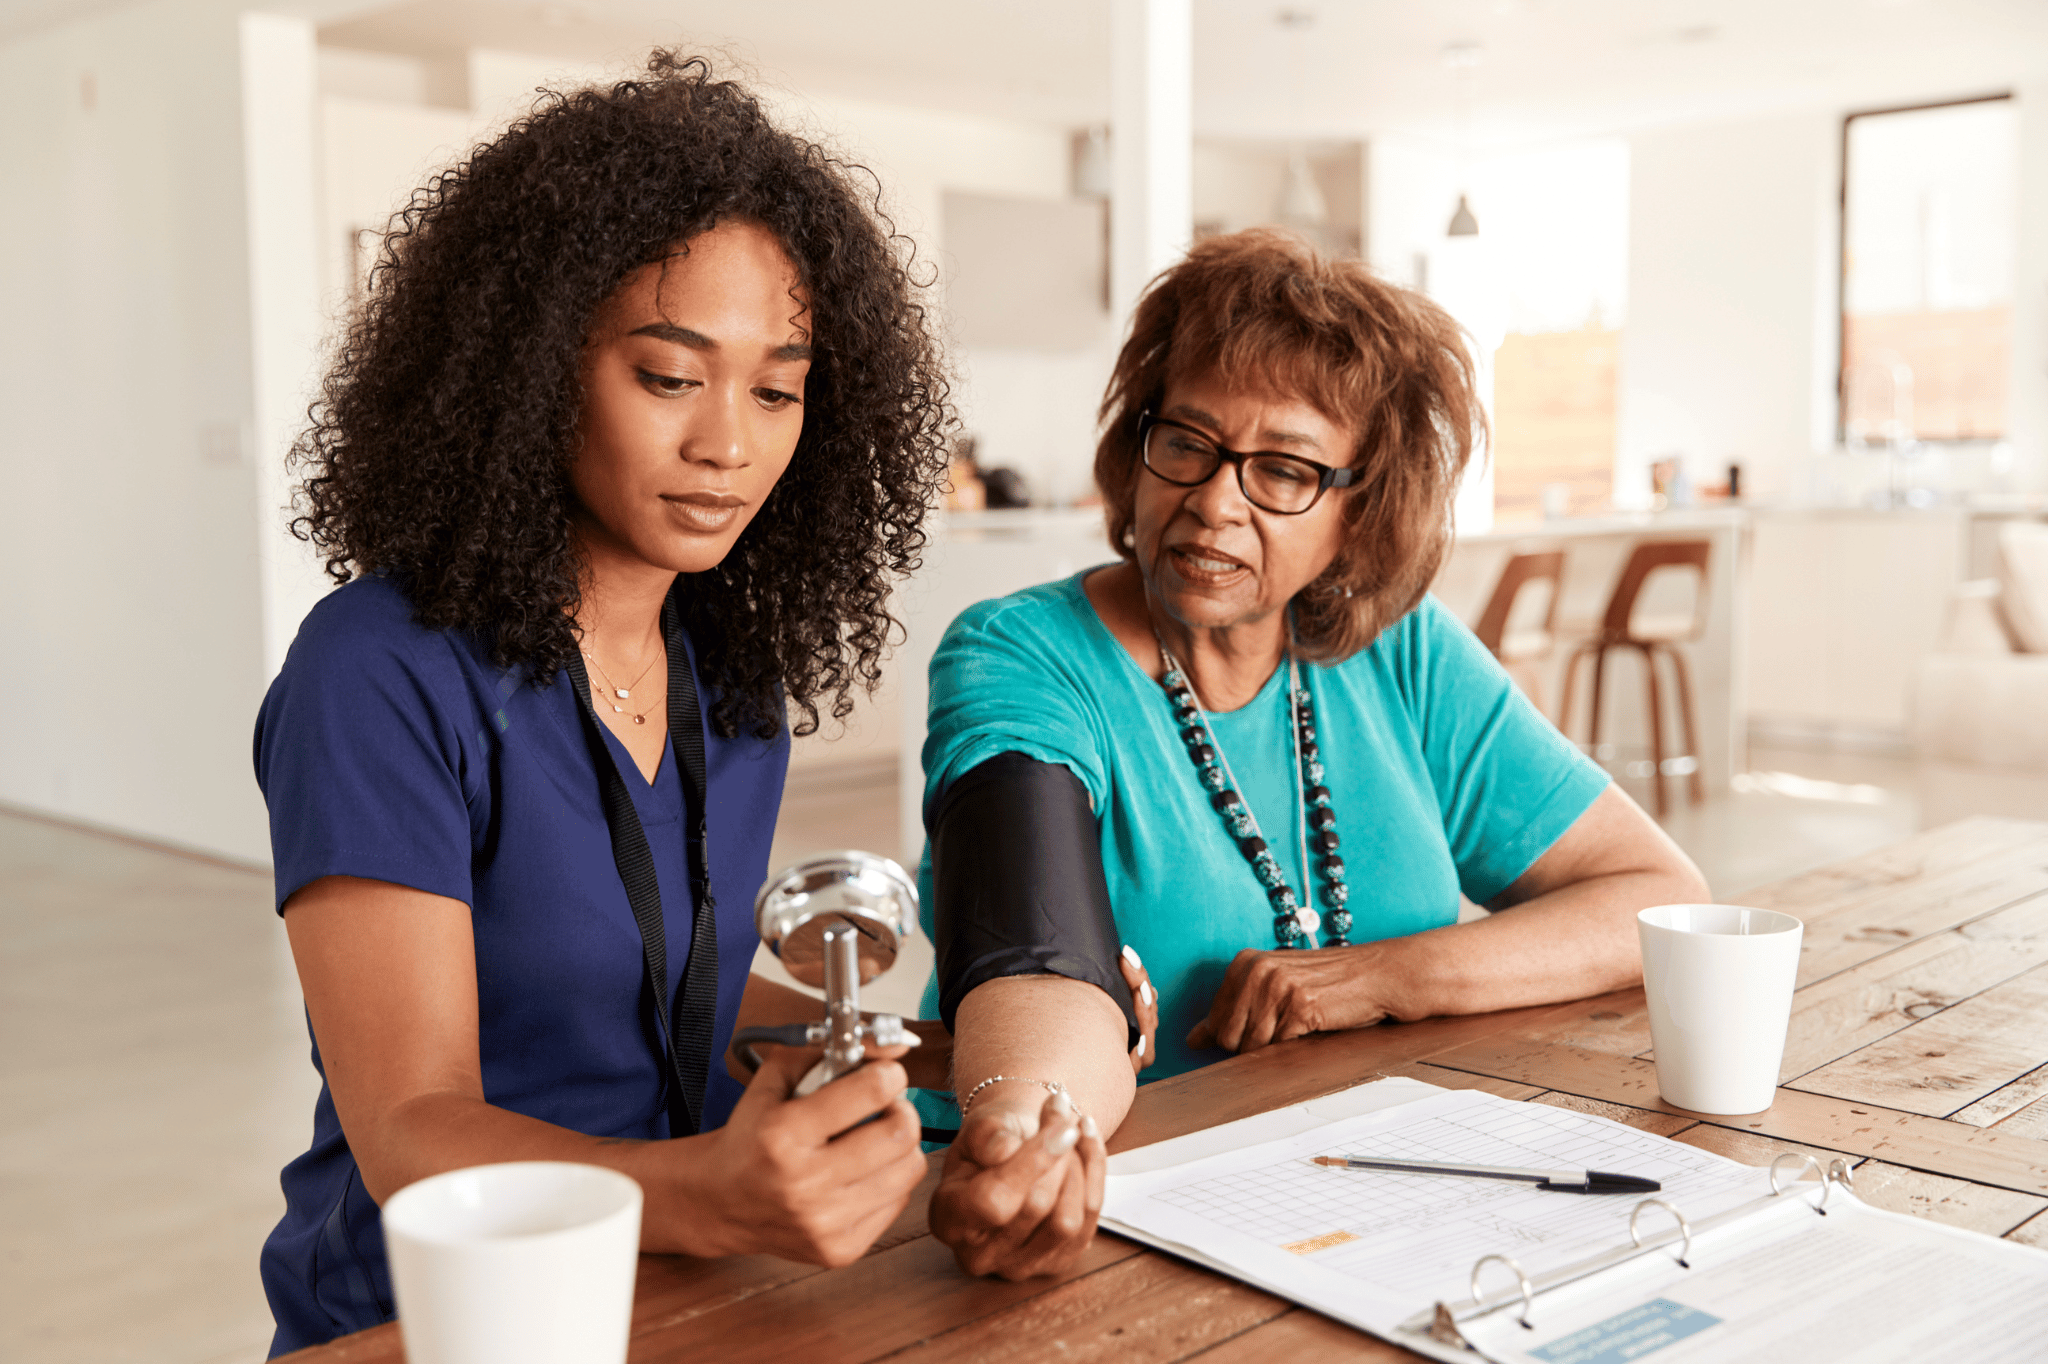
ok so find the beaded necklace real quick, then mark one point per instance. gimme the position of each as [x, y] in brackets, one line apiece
[1294, 922]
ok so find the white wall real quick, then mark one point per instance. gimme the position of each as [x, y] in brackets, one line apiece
[1033, 410]
[1729, 351]
[129, 412]
[372, 154]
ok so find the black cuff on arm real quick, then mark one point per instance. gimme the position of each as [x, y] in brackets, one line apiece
[1017, 874]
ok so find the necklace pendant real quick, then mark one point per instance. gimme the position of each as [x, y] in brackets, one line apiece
[618, 709]
[641, 721]
[623, 693]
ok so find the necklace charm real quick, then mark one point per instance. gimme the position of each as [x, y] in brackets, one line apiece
[1294, 925]
[640, 719]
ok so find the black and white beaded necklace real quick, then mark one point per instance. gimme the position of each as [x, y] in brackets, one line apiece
[1295, 922]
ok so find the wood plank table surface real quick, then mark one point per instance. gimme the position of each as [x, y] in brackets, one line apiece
[1918, 1051]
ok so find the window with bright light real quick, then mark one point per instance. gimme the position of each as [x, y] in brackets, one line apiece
[1928, 229]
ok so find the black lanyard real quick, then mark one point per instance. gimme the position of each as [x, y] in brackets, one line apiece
[686, 1031]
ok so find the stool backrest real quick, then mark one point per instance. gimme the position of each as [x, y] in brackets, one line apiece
[1519, 572]
[1647, 558]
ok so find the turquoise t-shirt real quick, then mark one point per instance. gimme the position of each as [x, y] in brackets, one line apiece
[1442, 775]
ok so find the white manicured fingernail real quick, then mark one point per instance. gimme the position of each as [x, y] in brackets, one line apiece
[1132, 955]
[1063, 1140]
[1090, 1127]
[1144, 1046]
[1146, 994]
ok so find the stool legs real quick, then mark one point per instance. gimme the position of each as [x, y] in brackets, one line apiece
[1696, 785]
[1649, 653]
[1599, 681]
[1595, 652]
[1571, 682]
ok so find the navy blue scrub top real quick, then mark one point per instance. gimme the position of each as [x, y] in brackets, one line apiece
[389, 751]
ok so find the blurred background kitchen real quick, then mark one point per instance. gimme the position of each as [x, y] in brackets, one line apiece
[1760, 289]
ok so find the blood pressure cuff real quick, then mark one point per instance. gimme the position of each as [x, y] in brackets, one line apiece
[1017, 874]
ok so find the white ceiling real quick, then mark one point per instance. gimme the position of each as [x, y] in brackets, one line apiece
[1544, 68]
[1548, 68]
[1537, 69]
[1045, 61]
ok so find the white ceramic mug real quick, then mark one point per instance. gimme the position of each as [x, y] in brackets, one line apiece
[1719, 981]
[517, 1261]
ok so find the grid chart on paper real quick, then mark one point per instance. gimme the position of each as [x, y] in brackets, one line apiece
[1407, 1229]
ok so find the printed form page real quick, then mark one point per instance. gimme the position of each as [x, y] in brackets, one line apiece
[1375, 1248]
[1791, 1285]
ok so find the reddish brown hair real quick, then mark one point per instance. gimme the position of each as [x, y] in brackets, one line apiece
[1263, 310]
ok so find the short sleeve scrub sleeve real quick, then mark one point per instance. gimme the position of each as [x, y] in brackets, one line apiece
[389, 751]
[1443, 777]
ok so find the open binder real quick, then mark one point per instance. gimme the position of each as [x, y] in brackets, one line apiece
[1727, 1263]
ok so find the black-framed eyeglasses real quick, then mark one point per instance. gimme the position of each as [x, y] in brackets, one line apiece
[1285, 484]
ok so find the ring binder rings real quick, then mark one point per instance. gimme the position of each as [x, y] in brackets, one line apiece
[1441, 1323]
[1749, 1273]
[1635, 1217]
[1808, 1162]
[1528, 1292]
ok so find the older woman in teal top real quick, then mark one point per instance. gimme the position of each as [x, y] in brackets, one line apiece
[1251, 754]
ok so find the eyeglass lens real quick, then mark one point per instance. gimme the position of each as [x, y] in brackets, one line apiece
[1277, 483]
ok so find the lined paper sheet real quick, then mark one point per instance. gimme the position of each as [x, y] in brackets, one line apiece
[1374, 1248]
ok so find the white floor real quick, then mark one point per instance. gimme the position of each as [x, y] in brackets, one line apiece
[155, 1076]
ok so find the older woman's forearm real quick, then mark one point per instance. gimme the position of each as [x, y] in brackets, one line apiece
[1568, 929]
[1043, 1029]
[1576, 941]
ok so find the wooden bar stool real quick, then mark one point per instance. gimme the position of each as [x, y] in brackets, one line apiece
[1522, 649]
[1652, 634]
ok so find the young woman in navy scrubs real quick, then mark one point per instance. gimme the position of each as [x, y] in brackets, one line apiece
[616, 467]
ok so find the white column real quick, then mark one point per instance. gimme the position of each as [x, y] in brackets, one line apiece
[279, 168]
[2027, 423]
[1152, 145]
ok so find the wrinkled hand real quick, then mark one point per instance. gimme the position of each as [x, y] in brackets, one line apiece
[1271, 996]
[1019, 1193]
[806, 1178]
[1147, 1002]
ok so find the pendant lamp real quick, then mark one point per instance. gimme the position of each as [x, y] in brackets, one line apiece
[1463, 224]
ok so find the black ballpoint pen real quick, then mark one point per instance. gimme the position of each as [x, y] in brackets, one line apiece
[1576, 1180]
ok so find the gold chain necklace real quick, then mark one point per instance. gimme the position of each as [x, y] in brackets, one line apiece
[640, 718]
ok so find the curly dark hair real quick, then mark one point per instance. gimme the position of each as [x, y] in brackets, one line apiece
[439, 449]
[1264, 310]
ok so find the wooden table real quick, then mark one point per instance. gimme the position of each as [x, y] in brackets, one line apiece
[1918, 1051]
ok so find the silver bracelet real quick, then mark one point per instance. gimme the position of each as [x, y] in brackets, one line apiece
[1051, 1086]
